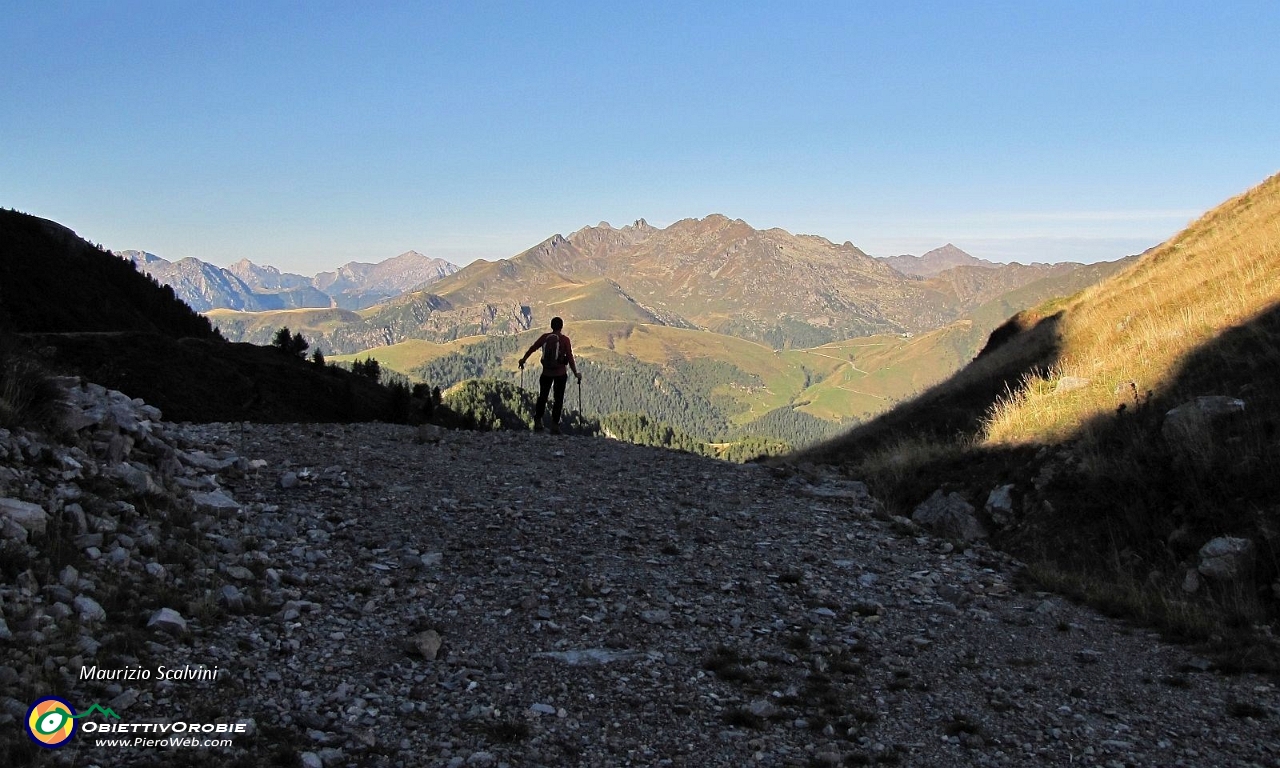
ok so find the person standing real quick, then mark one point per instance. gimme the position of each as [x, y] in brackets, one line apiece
[557, 360]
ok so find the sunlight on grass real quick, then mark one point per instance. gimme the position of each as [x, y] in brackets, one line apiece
[1132, 333]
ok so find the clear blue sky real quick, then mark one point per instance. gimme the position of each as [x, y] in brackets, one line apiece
[310, 134]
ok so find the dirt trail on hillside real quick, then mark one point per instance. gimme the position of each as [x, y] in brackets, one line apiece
[601, 604]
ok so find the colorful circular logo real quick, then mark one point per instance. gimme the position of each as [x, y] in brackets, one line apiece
[51, 722]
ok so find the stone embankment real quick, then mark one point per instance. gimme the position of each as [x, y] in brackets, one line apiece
[372, 595]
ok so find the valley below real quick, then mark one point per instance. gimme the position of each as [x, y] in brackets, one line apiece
[791, 338]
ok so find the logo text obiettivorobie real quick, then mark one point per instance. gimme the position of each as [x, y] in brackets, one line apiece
[51, 722]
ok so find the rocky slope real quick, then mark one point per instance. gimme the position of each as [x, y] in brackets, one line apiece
[715, 274]
[356, 285]
[265, 279]
[372, 595]
[204, 286]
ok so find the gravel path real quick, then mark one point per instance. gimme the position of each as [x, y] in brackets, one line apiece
[603, 604]
[382, 597]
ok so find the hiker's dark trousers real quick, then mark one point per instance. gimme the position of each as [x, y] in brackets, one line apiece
[545, 384]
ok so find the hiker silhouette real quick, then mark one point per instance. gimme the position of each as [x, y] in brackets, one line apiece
[557, 359]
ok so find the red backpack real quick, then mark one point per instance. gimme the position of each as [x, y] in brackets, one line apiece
[551, 356]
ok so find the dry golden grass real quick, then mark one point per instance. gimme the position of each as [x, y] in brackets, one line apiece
[1139, 326]
[900, 457]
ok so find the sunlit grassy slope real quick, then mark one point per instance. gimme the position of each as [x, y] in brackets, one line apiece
[860, 378]
[597, 298]
[308, 322]
[405, 355]
[1133, 332]
[1143, 325]
[869, 375]
[780, 381]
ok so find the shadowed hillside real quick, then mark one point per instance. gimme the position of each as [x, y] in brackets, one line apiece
[1070, 404]
[200, 380]
[78, 309]
[52, 281]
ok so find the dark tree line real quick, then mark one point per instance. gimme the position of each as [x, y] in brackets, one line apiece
[368, 367]
[642, 430]
[488, 359]
[491, 405]
[788, 425]
[297, 345]
[624, 385]
[678, 395]
[488, 404]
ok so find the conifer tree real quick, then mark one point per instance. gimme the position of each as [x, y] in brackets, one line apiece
[283, 340]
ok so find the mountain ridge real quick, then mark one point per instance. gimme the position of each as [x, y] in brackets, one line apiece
[716, 274]
[249, 287]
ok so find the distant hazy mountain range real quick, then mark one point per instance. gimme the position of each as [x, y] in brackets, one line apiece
[712, 274]
[248, 287]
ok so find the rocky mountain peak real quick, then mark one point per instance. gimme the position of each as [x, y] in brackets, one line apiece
[935, 261]
[141, 258]
[723, 275]
[951, 253]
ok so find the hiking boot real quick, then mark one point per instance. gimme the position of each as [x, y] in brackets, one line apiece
[537, 426]
[555, 430]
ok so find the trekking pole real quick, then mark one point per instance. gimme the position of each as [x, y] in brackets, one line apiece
[522, 383]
